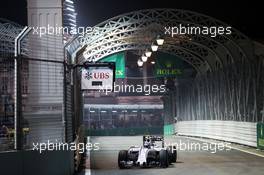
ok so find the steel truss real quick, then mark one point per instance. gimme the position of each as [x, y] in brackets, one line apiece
[137, 30]
[229, 85]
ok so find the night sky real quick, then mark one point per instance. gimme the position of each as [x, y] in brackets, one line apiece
[245, 16]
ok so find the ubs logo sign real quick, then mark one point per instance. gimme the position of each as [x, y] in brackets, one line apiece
[96, 75]
[88, 75]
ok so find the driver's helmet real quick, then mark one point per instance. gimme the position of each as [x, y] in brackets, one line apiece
[148, 143]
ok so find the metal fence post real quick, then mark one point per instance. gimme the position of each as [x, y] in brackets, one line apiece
[18, 96]
[64, 122]
[18, 106]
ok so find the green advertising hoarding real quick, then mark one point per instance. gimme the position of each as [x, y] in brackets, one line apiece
[168, 65]
[169, 129]
[119, 59]
[260, 136]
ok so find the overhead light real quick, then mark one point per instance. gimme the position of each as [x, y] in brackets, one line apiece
[154, 47]
[103, 111]
[160, 41]
[73, 24]
[73, 20]
[134, 111]
[70, 5]
[140, 63]
[148, 53]
[114, 111]
[144, 58]
[70, 9]
[92, 111]
[153, 62]
[71, 15]
[70, 1]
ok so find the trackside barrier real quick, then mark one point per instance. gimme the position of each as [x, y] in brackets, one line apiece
[260, 136]
[32, 163]
[231, 131]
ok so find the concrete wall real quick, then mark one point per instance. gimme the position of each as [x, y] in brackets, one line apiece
[44, 104]
[34, 163]
[244, 133]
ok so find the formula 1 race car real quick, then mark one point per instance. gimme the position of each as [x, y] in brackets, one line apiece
[149, 155]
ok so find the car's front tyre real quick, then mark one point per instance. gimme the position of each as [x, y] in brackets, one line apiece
[122, 157]
[164, 158]
[172, 154]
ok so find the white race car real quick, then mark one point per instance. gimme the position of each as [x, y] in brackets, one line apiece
[149, 155]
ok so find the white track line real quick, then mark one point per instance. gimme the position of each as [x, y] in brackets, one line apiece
[88, 155]
[249, 152]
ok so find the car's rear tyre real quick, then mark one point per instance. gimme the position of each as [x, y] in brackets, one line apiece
[164, 158]
[122, 156]
[172, 154]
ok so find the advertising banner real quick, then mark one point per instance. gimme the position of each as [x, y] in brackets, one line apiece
[97, 78]
[119, 60]
[168, 65]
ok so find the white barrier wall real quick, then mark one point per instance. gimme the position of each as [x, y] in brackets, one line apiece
[232, 131]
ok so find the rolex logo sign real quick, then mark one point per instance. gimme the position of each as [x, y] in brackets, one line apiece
[168, 65]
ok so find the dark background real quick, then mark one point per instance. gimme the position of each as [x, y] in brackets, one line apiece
[246, 16]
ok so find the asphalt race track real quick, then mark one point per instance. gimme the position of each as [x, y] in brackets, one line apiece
[190, 162]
